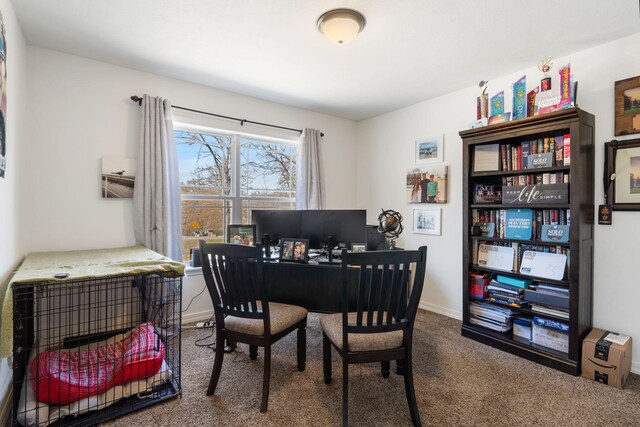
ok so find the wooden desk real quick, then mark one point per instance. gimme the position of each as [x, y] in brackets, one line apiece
[316, 287]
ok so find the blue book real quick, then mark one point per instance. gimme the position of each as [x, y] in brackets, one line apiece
[518, 224]
[520, 98]
[551, 324]
[513, 281]
[497, 103]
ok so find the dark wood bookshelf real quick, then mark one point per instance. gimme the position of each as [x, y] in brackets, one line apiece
[581, 126]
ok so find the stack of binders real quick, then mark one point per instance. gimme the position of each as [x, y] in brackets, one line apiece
[491, 316]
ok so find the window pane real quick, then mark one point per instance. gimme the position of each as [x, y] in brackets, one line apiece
[203, 219]
[248, 205]
[267, 169]
[204, 162]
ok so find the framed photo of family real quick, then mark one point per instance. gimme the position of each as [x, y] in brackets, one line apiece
[427, 221]
[241, 234]
[430, 150]
[427, 184]
[294, 250]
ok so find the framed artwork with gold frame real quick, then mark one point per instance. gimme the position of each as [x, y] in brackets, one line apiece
[627, 103]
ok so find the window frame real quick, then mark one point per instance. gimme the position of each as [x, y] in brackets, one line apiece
[236, 199]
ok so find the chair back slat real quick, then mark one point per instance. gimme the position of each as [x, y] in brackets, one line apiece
[371, 290]
[362, 280]
[384, 285]
[233, 274]
[383, 300]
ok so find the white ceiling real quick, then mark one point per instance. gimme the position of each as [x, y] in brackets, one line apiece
[409, 51]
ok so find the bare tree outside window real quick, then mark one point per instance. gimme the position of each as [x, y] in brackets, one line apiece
[266, 180]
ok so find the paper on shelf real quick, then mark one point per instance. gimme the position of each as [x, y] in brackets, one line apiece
[496, 257]
[543, 264]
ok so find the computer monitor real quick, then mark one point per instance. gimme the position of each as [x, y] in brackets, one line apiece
[276, 223]
[345, 226]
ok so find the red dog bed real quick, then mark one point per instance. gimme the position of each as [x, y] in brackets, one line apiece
[64, 376]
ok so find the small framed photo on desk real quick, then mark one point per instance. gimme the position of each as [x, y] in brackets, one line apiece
[294, 250]
[241, 234]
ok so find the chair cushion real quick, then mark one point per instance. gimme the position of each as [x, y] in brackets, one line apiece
[282, 316]
[332, 326]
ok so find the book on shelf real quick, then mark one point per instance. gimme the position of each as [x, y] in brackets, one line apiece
[518, 224]
[494, 285]
[551, 311]
[567, 150]
[550, 323]
[490, 316]
[514, 281]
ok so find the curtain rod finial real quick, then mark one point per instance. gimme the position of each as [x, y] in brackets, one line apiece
[136, 98]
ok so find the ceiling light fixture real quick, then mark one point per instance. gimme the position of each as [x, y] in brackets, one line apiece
[341, 25]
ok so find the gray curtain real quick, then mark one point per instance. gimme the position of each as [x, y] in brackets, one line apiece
[156, 196]
[309, 183]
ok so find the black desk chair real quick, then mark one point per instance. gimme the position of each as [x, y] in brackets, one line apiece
[233, 274]
[381, 328]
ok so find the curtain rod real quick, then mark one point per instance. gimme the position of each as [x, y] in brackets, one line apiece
[136, 98]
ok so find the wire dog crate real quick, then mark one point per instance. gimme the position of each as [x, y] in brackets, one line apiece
[88, 350]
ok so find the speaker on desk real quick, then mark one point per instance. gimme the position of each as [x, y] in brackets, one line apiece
[375, 240]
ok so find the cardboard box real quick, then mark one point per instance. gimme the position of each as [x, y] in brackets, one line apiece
[606, 361]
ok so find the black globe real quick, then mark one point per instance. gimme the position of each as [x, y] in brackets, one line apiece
[390, 223]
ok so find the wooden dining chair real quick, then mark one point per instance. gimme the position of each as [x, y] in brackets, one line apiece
[243, 313]
[381, 327]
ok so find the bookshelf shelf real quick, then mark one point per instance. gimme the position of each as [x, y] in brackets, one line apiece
[536, 206]
[520, 172]
[519, 276]
[533, 242]
[579, 127]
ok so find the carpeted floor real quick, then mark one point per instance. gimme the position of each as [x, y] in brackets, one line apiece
[459, 382]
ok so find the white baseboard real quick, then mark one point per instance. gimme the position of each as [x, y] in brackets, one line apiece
[440, 310]
[635, 367]
[5, 409]
[197, 317]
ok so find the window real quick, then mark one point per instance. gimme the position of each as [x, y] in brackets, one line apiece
[224, 176]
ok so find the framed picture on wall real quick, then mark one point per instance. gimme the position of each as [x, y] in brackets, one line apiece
[627, 102]
[427, 221]
[241, 234]
[118, 177]
[624, 167]
[427, 184]
[430, 150]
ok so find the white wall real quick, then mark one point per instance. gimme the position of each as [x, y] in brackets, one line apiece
[9, 243]
[79, 111]
[386, 144]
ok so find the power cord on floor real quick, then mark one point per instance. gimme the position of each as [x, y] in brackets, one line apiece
[196, 296]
